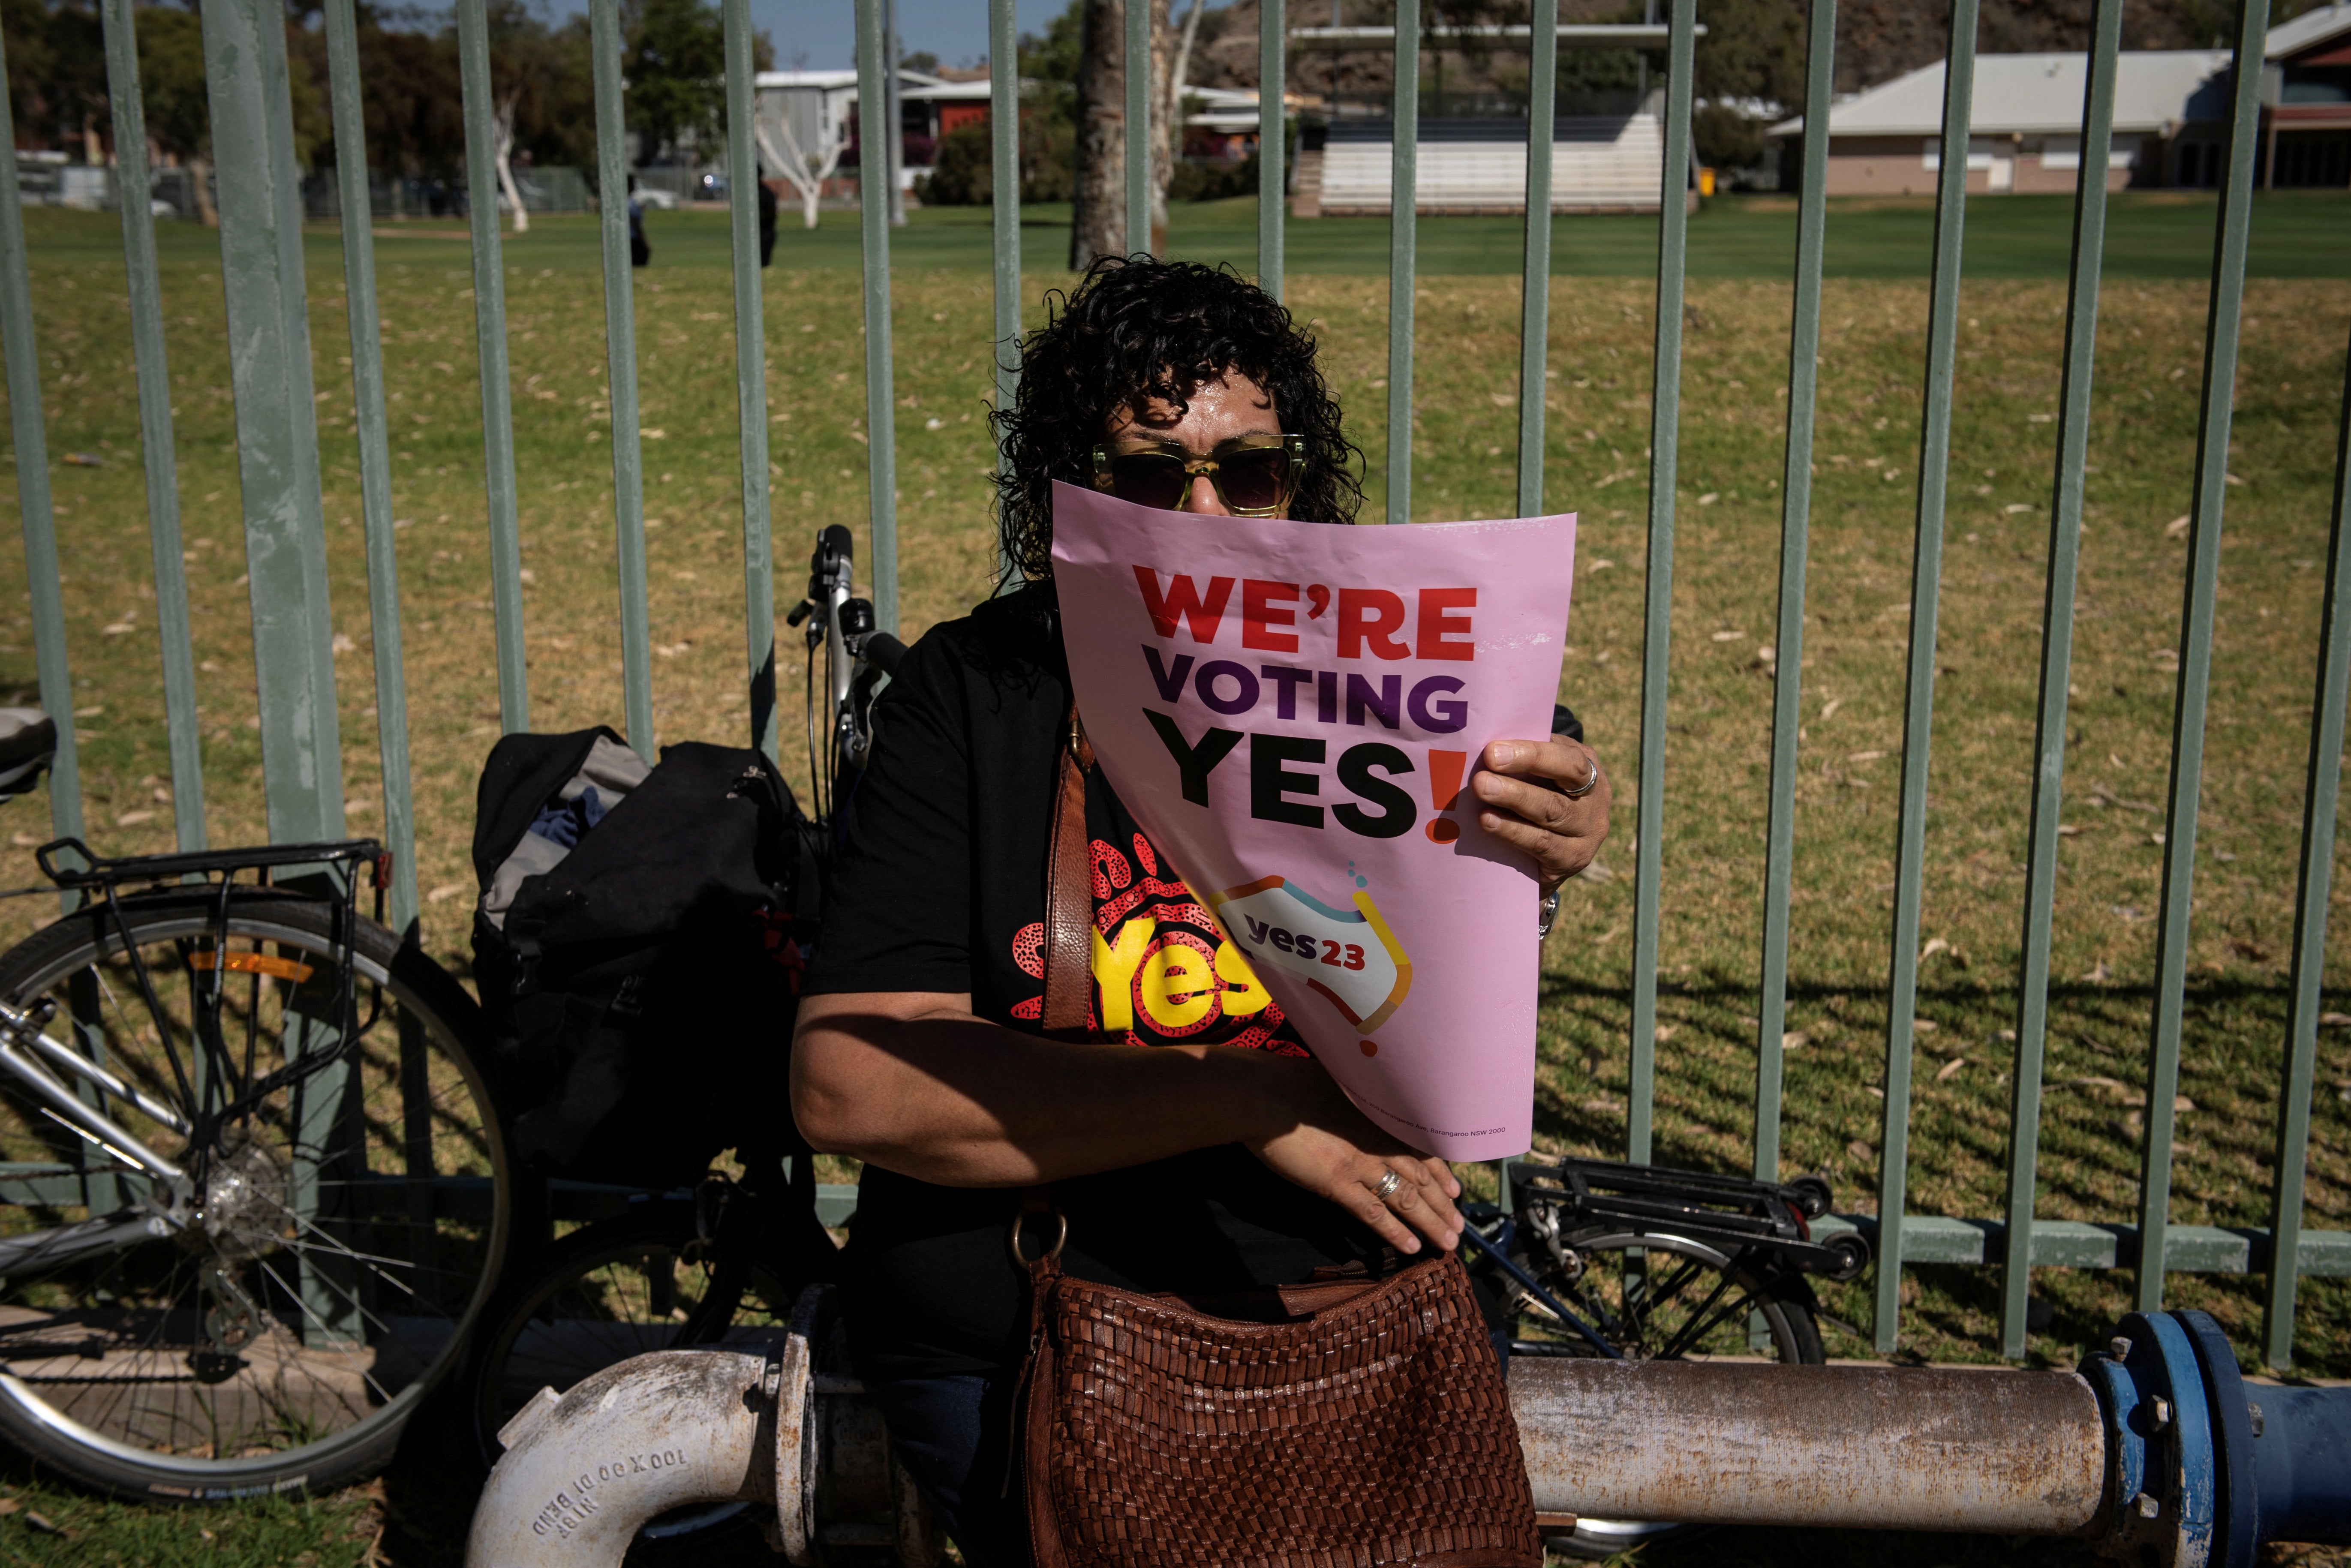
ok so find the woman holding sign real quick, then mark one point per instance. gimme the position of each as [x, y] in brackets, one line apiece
[1222, 1158]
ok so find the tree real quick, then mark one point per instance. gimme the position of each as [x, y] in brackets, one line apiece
[1100, 225]
[674, 58]
[1753, 52]
[172, 91]
[543, 101]
[807, 168]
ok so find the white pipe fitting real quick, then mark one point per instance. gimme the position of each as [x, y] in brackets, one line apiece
[584, 1472]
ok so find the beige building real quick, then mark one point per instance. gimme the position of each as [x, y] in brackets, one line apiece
[2025, 123]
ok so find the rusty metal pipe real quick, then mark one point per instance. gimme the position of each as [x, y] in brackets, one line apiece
[2019, 1453]
[583, 1473]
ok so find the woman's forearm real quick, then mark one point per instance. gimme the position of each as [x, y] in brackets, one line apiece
[916, 1084]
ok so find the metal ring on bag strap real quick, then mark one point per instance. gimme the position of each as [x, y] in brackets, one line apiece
[1051, 1254]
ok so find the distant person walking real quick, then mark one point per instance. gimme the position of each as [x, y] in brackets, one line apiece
[766, 222]
[641, 251]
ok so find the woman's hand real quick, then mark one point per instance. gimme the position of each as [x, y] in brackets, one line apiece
[1334, 1151]
[1522, 786]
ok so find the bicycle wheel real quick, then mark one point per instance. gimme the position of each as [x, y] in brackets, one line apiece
[269, 1319]
[1656, 1297]
[609, 1291]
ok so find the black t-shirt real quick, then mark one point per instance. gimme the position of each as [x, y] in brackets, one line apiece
[941, 887]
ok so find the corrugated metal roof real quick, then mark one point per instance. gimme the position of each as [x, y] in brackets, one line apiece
[2310, 27]
[2034, 95]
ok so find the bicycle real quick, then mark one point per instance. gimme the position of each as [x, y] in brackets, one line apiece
[724, 1262]
[253, 1193]
[1634, 1262]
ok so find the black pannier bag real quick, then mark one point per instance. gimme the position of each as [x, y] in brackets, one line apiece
[639, 947]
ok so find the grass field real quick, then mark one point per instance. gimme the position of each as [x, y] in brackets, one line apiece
[2151, 349]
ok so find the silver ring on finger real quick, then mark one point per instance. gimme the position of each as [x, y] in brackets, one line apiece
[1388, 1183]
[1590, 782]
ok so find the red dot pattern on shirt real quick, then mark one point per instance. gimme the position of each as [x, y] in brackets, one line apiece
[1145, 857]
[1029, 949]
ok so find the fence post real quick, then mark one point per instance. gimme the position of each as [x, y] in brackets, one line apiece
[1535, 292]
[1272, 140]
[2196, 652]
[155, 425]
[1404, 199]
[40, 521]
[743, 191]
[2325, 778]
[1657, 622]
[880, 394]
[621, 367]
[490, 338]
[370, 424]
[260, 206]
[2056, 672]
[1795, 537]
[1918, 702]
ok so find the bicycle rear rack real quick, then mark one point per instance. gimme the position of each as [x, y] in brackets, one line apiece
[1730, 1213]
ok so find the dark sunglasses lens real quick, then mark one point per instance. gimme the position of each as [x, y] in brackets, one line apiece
[1255, 478]
[1147, 479]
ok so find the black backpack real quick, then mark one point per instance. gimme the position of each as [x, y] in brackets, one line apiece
[638, 948]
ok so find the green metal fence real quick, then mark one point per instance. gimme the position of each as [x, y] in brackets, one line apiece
[261, 213]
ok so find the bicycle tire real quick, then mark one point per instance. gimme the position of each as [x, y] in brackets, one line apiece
[384, 1272]
[585, 1271]
[1786, 1319]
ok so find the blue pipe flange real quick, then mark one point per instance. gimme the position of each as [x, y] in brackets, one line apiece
[2163, 1487]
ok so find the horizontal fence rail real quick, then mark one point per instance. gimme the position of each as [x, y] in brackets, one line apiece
[261, 213]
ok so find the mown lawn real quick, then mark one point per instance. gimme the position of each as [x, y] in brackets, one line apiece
[1725, 569]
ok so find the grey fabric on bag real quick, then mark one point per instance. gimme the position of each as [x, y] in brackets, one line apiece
[614, 771]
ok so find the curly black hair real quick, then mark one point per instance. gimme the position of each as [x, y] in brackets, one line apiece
[1136, 328]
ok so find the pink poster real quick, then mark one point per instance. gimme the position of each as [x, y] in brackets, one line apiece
[1291, 710]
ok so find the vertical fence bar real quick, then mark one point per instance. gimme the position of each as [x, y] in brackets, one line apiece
[42, 582]
[2323, 777]
[1657, 631]
[1795, 540]
[2057, 670]
[2195, 652]
[621, 367]
[750, 376]
[1004, 137]
[375, 454]
[1272, 140]
[1404, 197]
[881, 396]
[490, 337]
[1135, 131]
[245, 78]
[155, 425]
[1918, 702]
[1534, 293]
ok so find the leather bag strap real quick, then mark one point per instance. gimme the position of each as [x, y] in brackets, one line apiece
[1069, 896]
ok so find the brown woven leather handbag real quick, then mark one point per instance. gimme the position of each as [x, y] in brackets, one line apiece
[1344, 1424]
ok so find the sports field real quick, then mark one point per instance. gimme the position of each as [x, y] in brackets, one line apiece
[2290, 391]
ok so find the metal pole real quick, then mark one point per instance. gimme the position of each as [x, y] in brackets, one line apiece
[2057, 670]
[1795, 535]
[743, 189]
[1534, 290]
[1403, 199]
[490, 334]
[1004, 136]
[247, 79]
[1918, 707]
[1136, 130]
[172, 633]
[894, 89]
[881, 401]
[2322, 780]
[621, 367]
[42, 581]
[375, 456]
[1273, 142]
[2221, 331]
[1657, 632]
